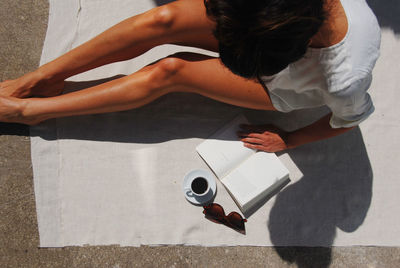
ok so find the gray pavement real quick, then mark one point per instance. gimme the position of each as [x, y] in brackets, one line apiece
[22, 31]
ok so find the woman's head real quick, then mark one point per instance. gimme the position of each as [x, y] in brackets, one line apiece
[262, 37]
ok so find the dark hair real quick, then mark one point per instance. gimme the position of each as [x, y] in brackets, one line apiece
[262, 37]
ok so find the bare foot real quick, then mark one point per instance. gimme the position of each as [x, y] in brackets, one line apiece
[12, 111]
[29, 85]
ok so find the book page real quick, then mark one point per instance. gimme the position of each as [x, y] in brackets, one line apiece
[223, 151]
[254, 177]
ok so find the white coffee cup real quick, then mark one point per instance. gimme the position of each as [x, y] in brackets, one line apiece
[198, 186]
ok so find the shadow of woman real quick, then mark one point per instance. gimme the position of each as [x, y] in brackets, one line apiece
[334, 192]
[387, 12]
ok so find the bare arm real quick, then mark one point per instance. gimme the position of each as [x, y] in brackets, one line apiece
[271, 139]
[317, 131]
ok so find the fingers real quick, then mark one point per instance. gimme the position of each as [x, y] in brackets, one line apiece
[252, 135]
[262, 138]
[252, 140]
[256, 147]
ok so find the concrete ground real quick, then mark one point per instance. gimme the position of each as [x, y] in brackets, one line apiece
[22, 31]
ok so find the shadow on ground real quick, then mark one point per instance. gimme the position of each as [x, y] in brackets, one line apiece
[334, 192]
[13, 129]
[387, 12]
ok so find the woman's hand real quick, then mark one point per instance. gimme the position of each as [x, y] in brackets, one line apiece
[266, 138]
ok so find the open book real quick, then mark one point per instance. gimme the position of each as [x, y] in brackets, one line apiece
[248, 175]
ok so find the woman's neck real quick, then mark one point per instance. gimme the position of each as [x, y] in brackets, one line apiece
[334, 29]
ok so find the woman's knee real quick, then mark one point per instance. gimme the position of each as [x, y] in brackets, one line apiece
[168, 69]
[173, 69]
[164, 16]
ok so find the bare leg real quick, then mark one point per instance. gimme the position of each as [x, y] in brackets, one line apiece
[185, 72]
[183, 22]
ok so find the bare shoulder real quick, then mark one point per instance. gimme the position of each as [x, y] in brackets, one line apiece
[335, 28]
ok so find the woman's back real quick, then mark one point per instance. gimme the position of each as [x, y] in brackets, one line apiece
[337, 76]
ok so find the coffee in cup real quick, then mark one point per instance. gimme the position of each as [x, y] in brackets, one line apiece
[199, 186]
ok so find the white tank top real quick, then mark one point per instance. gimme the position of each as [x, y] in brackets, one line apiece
[337, 76]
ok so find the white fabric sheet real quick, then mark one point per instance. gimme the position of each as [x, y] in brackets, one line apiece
[116, 178]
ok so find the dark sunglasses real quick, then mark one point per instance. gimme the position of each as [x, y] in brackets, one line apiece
[216, 213]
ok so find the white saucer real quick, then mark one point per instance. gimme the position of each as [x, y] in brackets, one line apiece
[211, 181]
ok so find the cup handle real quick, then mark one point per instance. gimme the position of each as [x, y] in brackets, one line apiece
[189, 192]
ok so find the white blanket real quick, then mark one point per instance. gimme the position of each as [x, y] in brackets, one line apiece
[117, 178]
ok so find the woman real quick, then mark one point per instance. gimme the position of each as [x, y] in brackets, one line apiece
[280, 55]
